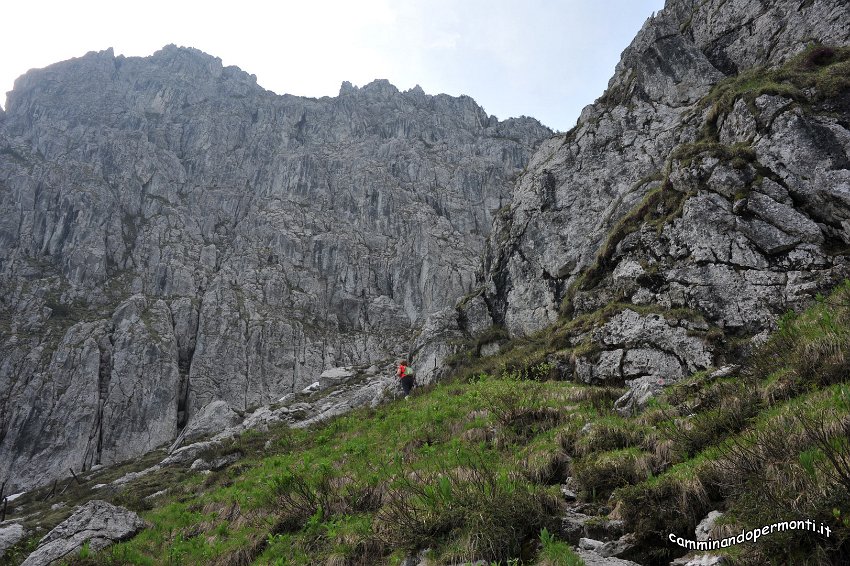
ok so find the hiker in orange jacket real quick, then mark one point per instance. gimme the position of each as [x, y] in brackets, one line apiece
[405, 376]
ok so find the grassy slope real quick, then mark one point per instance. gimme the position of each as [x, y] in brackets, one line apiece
[471, 468]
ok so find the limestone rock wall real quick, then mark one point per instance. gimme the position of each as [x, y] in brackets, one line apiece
[703, 216]
[171, 234]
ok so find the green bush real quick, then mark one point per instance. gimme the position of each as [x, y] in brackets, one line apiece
[601, 473]
[490, 513]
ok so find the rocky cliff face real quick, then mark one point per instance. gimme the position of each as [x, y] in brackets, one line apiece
[171, 234]
[704, 194]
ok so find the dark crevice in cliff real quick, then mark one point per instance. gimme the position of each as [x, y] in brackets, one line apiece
[185, 354]
[295, 345]
[184, 364]
[94, 449]
[4, 423]
[557, 286]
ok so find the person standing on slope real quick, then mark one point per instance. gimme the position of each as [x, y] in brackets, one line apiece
[405, 376]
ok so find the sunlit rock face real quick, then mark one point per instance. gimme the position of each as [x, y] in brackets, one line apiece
[172, 235]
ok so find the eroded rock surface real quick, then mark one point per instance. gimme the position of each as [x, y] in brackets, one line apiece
[676, 216]
[172, 236]
[10, 535]
[97, 523]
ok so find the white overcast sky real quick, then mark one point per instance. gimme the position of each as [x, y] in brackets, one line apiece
[540, 58]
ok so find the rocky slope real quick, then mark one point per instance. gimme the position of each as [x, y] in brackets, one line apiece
[704, 194]
[171, 235]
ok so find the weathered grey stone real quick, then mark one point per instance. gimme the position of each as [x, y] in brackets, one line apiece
[703, 529]
[618, 547]
[589, 544]
[727, 182]
[201, 465]
[73, 396]
[739, 206]
[568, 493]
[436, 341]
[189, 453]
[745, 49]
[769, 106]
[249, 240]
[154, 495]
[738, 125]
[572, 526]
[732, 298]
[97, 523]
[643, 297]
[631, 329]
[131, 476]
[652, 363]
[609, 365]
[811, 163]
[585, 371]
[723, 371]
[699, 560]
[640, 392]
[767, 237]
[729, 266]
[627, 269]
[591, 558]
[212, 419]
[784, 217]
[334, 375]
[476, 316]
[10, 535]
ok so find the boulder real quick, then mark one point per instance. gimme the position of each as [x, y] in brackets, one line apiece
[10, 535]
[618, 547]
[335, 375]
[591, 558]
[97, 523]
[589, 544]
[704, 528]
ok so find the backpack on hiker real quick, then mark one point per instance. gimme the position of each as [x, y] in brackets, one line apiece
[406, 377]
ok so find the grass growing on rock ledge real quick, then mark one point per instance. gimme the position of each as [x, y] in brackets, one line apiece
[822, 68]
[471, 469]
[769, 444]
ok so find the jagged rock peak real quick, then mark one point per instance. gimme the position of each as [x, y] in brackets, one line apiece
[175, 78]
[183, 61]
[191, 60]
[380, 88]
